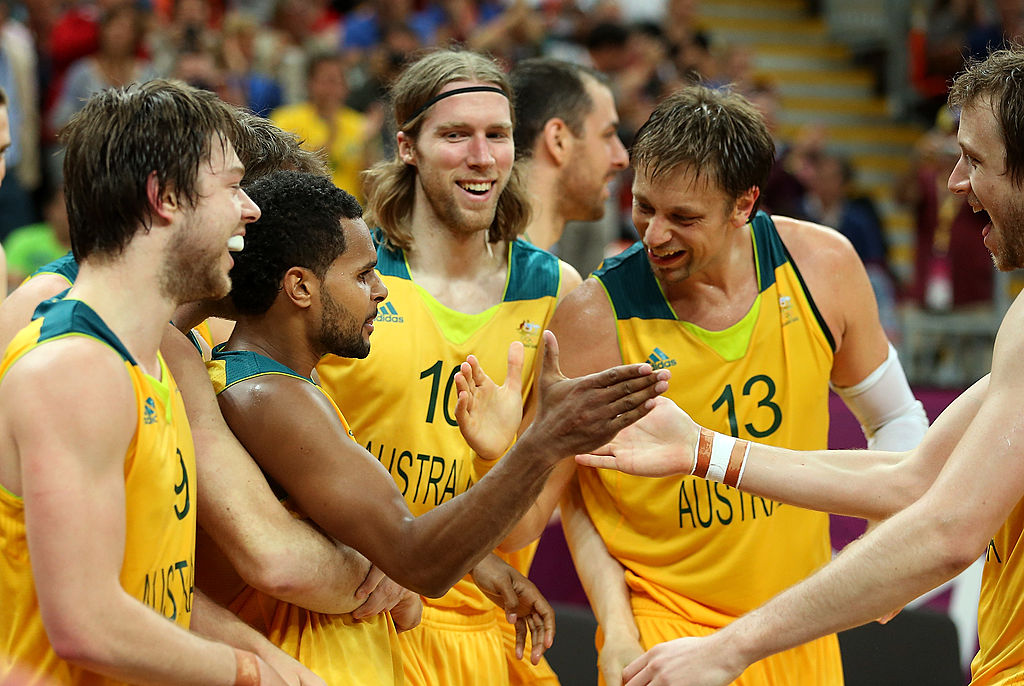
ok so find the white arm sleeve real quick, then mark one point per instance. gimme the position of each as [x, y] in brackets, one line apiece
[889, 414]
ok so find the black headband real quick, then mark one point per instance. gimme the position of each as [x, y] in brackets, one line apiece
[457, 91]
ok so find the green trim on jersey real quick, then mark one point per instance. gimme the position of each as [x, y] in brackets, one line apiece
[69, 317]
[532, 274]
[644, 298]
[635, 293]
[64, 266]
[242, 365]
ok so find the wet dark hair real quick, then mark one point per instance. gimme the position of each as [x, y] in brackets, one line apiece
[299, 226]
[122, 136]
[714, 132]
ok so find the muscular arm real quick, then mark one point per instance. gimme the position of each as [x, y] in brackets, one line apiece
[841, 290]
[913, 551]
[292, 430]
[71, 478]
[271, 550]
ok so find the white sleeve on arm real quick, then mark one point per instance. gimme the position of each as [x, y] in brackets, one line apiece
[889, 414]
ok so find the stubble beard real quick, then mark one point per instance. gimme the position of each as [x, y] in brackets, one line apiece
[340, 333]
[188, 274]
[1010, 255]
[453, 217]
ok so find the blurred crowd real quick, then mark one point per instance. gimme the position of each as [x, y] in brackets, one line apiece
[321, 68]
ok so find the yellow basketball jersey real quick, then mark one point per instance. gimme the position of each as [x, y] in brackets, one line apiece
[337, 648]
[401, 398]
[160, 500]
[703, 550]
[1001, 607]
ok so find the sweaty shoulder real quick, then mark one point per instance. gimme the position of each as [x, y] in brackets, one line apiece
[829, 265]
[584, 325]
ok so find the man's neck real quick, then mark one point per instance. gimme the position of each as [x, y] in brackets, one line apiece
[546, 222]
[281, 342]
[461, 270]
[719, 295]
[138, 321]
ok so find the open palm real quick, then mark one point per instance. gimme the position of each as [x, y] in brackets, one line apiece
[489, 415]
[659, 444]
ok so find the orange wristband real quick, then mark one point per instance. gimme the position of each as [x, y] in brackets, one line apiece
[723, 462]
[247, 668]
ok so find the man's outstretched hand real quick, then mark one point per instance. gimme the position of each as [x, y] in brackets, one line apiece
[661, 443]
[579, 415]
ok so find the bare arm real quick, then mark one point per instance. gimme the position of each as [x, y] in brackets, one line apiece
[840, 288]
[71, 478]
[604, 581]
[350, 494]
[872, 484]
[586, 323]
[536, 519]
[913, 551]
[218, 624]
[271, 550]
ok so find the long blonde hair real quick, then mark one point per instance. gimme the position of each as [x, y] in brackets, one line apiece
[390, 186]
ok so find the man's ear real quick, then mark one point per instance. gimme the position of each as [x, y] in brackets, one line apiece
[161, 204]
[300, 286]
[556, 139]
[744, 206]
[406, 148]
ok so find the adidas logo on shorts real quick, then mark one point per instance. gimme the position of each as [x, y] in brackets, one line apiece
[388, 313]
[659, 360]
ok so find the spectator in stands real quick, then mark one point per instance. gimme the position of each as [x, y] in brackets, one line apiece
[325, 122]
[115, 64]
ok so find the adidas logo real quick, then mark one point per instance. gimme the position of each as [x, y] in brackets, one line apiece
[659, 360]
[149, 412]
[388, 313]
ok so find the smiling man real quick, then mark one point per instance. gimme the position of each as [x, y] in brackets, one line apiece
[963, 483]
[98, 504]
[449, 206]
[760, 315]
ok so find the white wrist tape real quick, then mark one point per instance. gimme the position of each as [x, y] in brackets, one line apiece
[889, 414]
[720, 458]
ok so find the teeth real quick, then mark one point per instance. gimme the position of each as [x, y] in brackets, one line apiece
[236, 243]
[481, 187]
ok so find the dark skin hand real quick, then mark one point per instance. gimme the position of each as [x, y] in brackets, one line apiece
[348, 493]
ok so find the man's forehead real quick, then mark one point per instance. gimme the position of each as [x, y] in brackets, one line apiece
[681, 180]
[461, 106]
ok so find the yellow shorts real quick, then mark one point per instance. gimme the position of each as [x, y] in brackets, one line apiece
[523, 672]
[815, 663]
[454, 649]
